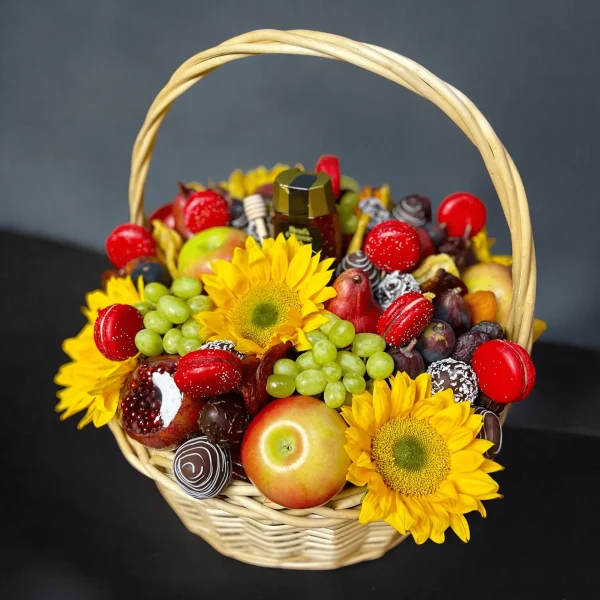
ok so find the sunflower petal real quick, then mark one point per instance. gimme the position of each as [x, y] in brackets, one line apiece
[298, 266]
[381, 402]
[370, 509]
[460, 527]
[464, 461]
[363, 414]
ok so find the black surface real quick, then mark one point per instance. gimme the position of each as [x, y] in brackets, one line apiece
[78, 522]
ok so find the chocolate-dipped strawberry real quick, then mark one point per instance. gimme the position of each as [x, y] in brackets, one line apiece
[491, 430]
[359, 260]
[414, 210]
[153, 410]
[458, 376]
[224, 420]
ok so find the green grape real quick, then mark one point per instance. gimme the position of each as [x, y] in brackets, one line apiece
[348, 201]
[153, 291]
[280, 386]
[349, 183]
[350, 363]
[380, 365]
[174, 309]
[307, 361]
[171, 340]
[365, 344]
[332, 372]
[191, 329]
[286, 366]
[342, 334]
[200, 304]
[332, 319]
[324, 351]
[155, 321]
[185, 345]
[315, 336]
[310, 382]
[148, 342]
[348, 224]
[186, 287]
[335, 394]
[355, 384]
[144, 307]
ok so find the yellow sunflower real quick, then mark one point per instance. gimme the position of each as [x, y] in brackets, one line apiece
[92, 382]
[420, 457]
[241, 184]
[267, 295]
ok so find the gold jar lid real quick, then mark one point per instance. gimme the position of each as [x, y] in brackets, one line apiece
[303, 195]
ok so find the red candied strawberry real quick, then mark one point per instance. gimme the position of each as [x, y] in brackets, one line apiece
[330, 164]
[127, 242]
[204, 210]
[393, 246]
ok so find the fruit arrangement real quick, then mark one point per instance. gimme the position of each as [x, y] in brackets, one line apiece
[303, 333]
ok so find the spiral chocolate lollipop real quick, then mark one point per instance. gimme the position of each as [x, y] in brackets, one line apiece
[359, 260]
[202, 469]
[414, 210]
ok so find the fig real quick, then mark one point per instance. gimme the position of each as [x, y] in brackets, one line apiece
[466, 345]
[457, 248]
[442, 281]
[449, 306]
[436, 342]
[492, 329]
[437, 233]
[408, 360]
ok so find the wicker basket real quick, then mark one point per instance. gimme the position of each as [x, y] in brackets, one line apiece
[241, 523]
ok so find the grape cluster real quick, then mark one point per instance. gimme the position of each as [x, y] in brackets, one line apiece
[168, 323]
[335, 367]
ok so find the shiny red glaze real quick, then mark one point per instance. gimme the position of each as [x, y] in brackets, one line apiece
[427, 245]
[165, 214]
[178, 204]
[393, 246]
[405, 318]
[204, 210]
[330, 164]
[504, 370]
[460, 210]
[115, 329]
[208, 372]
[127, 242]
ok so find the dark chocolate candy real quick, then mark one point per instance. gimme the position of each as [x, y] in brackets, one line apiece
[491, 430]
[376, 210]
[394, 285]
[224, 419]
[459, 376]
[484, 402]
[414, 210]
[359, 260]
[227, 345]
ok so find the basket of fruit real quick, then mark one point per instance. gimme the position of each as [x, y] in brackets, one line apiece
[311, 370]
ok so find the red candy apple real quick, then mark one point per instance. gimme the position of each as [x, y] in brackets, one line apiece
[208, 372]
[355, 302]
[405, 318]
[152, 409]
[115, 329]
[463, 214]
[393, 246]
[127, 242]
[330, 164]
[293, 452]
[504, 370]
[204, 210]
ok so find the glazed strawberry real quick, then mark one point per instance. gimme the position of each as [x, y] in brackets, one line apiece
[127, 242]
[208, 372]
[505, 371]
[463, 214]
[330, 164]
[405, 318]
[115, 329]
[165, 214]
[393, 246]
[204, 210]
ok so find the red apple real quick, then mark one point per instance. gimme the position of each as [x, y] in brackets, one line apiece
[293, 452]
[179, 203]
[354, 301]
[210, 244]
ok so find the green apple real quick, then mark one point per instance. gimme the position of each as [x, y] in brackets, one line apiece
[211, 244]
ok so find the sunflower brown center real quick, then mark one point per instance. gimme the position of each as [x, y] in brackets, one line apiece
[262, 309]
[411, 456]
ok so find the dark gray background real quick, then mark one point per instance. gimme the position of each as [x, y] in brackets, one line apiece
[78, 76]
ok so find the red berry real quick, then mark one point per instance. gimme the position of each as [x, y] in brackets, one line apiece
[460, 210]
[115, 329]
[127, 242]
[204, 210]
[393, 246]
[505, 371]
[427, 246]
[330, 164]
[405, 318]
[165, 214]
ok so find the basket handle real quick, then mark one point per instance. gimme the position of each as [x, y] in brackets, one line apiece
[392, 66]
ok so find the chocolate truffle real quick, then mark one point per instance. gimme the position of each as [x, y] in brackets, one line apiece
[201, 468]
[227, 345]
[394, 285]
[359, 260]
[459, 376]
[491, 430]
[224, 419]
[414, 210]
[376, 210]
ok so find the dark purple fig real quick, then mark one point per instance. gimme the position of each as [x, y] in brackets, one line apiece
[408, 360]
[437, 233]
[449, 306]
[442, 281]
[493, 330]
[457, 248]
[467, 343]
[436, 342]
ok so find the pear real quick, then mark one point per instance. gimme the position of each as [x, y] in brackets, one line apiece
[495, 278]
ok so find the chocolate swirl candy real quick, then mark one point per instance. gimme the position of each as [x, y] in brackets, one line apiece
[227, 345]
[202, 469]
[394, 285]
[359, 260]
[414, 210]
[491, 430]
